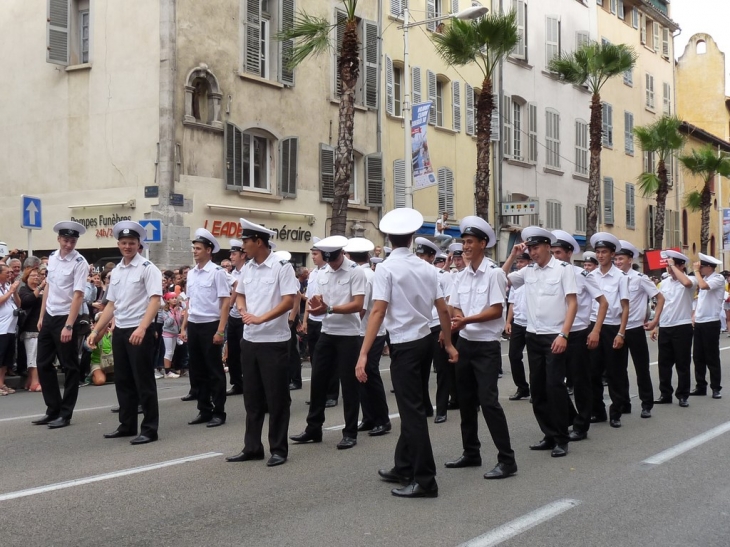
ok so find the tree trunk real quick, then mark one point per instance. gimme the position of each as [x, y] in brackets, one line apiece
[594, 174]
[349, 67]
[705, 204]
[485, 106]
[661, 205]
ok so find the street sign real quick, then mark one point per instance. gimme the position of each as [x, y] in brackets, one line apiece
[30, 212]
[153, 230]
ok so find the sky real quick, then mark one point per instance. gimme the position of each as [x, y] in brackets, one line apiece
[709, 16]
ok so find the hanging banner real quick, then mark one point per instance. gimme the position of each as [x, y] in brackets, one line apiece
[422, 170]
[726, 229]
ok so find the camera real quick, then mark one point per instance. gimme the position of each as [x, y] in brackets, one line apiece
[17, 312]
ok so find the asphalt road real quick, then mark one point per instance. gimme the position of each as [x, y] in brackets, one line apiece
[604, 493]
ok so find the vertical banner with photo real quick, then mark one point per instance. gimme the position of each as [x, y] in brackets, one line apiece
[422, 170]
[726, 229]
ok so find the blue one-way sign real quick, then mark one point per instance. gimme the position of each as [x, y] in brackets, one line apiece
[30, 212]
[153, 230]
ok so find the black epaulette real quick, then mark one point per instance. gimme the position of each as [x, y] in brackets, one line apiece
[585, 273]
[218, 267]
[52, 253]
[624, 273]
[442, 271]
[146, 263]
[564, 264]
[492, 266]
[79, 259]
[530, 265]
[283, 262]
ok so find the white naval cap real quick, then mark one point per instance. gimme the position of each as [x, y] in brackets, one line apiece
[249, 229]
[387, 250]
[69, 228]
[675, 255]
[628, 249]
[665, 275]
[359, 245]
[401, 221]
[129, 228]
[206, 238]
[426, 246]
[272, 245]
[331, 247]
[315, 240]
[376, 260]
[478, 227]
[457, 249]
[604, 239]
[283, 255]
[534, 235]
[591, 256]
[236, 245]
[708, 260]
[566, 241]
[440, 257]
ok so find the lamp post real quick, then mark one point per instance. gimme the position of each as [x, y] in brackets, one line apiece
[468, 13]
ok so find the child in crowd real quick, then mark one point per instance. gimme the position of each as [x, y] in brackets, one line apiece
[171, 322]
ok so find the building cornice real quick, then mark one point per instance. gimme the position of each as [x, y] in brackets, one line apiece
[704, 136]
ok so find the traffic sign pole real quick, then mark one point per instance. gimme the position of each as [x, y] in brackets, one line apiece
[30, 242]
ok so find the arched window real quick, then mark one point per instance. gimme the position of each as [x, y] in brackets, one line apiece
[701, 47]
[203, 98]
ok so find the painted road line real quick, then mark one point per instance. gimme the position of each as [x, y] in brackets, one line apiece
[689, 444]
[521, 524]
[341, 427]
[657, 362]
[103, 477]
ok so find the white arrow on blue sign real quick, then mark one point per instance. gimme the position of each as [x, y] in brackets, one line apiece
[153, 230]
[30, 212]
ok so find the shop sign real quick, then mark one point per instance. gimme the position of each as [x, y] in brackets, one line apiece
[102, 225]
[232, 229]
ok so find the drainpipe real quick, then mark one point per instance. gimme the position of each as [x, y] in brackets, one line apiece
[498, 159]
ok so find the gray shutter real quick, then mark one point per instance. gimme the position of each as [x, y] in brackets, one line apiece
[399, 183]
[374, 180]
[431, 77]
[286, 74]
[252, 43]
[469, 90]
[389, 93]
[416, 84]
[507, 141]
[495, 122]
[520, 8]
[650, 243]
[532, 132]
[233, 156]
[430, 14]
[454, 6]
[396, 8]
[371, 64]
[456, 106]
[340, 20]
[288, 156]
[57, 32]
[446, 190]
[326, 173]
[608, 201]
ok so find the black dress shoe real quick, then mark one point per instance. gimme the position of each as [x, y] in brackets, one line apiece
[189, 397]
[542, 445]
[294, 387]
[570, 390]
[115, 409]
[716, 394]
[140, 410]
[415, 490]
[559, 451]
[698, 392]
[59, 423]
[452, 405]
[615, 422]
[463, 461]
[439, 419]
[365, 426]
[391, 475]
[118, 433]
[663, 401]
[596, 419]
[380, 430]
[346, 442]
[245, 457]
[144, 439]
[307, 436]
[275, 459]
[683, 402]
[576, 435]
[215, 421]
[501, 471]
[645, 413]
[235, 390]
[520, 394]
[330, 403]
[200, 419]
[45, 420]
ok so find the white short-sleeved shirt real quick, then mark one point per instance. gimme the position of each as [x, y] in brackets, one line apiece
[339, 287]
[641, 289]
[131, 287]
[545, 292]
[409, 286]
[476, 291]
[439, 224]
[517, 299]
[368, 302]
[709, 301]
[65, 277]
[236, 274]
[8, 320]
[588, 291]
[615, 287]
[678, 301]
[311, 288]
[265, 285]
[445, 284]
[206, 286]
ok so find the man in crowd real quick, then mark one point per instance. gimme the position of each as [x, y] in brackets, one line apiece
[235, 322]
[516, 327]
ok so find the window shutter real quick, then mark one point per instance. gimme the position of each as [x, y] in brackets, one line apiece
[430, 14]
[456, 106]
[608, 201]
[667, 99]
[507, 118]
[399, 183]
[630, 206]
[582, 37]
[635, 17]
[650, 243]
[371, 64]
[469, 90]
[233, 156]
[520, 51]
[374, 180]
[532, 133]
[495, 122]
[288, 155]
[252, 43]
[326, 173]
[665, 42]
[454, 6]
[286, 74]
[649, 90]
[607, 125]
[416, 84]
[621, 10]
[396, 8]
[629, 133]
[580, 219]
[657, 32]
[57, 32]
[431, 77]
[446, 190]
[552, 40]
[642, 28]
[389, 93]
[676, 239]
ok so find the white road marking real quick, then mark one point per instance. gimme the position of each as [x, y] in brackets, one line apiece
[103, 477]
[689, 444]
[521, 524]
[341, 427]
[657, 362]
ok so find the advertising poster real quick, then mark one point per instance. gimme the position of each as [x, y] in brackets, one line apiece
[422, 170]
[726, 229]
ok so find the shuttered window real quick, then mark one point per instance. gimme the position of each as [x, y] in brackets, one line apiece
[581, 219]
[263, 56]
[630, 207]
[389, 86]
[629, 133]
[495, 122]
[399, 183]
[431, 14]
[507, 129]
[608, 200]
[629, 77]
[416, 84]
[520, 9]
[286, 74]
[607, 125]
[532, 133]
[649, 91]
[552, 138]
[581, 147]
[552, 39]
[326, 173]
[374, 180]
[666, 99]
[57, 32]
[431, 79]
[370, 65]
[554, 219]
[233, 155]
[665, 43]
[456, 106]
[517, 130]
[469, 92]
[288, 158]
[446, 190]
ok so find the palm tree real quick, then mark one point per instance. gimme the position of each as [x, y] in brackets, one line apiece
[663, 139]
[592, 65]
[313, 36]
[705, 163]
[484, 42]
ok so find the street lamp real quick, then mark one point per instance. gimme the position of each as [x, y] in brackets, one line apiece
[468, 13]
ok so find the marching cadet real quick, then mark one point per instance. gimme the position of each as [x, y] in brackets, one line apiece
[375, 416]
[641, 289]
[516, 327]
[203, 327]
[235, 322]
[404, 292]
[134, 300]
[609, 356]
[265, 295]
[477, 301]
[550, 294]
[590, 262]
[707, 325]
[58, 326]
[457, 257]
[339, 296]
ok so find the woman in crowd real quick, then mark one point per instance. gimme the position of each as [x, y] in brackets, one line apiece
[9, 303]
[171, 321]
[31, 298]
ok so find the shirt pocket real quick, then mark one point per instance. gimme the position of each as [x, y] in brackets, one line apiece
[481, 298]
[266, 286]
[551, 287]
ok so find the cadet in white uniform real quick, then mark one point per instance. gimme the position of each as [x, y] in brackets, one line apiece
[516, 327]
[59, 329]
[134, 300]
[707, 325]
[235, 322]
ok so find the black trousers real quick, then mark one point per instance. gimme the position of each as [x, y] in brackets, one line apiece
[675, 349]
[707, 354]
[639, 348]
[516, 347]
[206, 369]
[314, 329]
[235, 337]
[335, 356]
[614, 363]
[134, 381]
[295, 360]
[410, 362]
[443, 374]
[578, 363]
[372, 393]
[477, 373]
[266, 385]
[50, 346]
[550, 400]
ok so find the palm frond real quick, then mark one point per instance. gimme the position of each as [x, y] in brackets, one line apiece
[661, 137]
[693, 201]
[311, 36]
[594, 64]
[648, 184]
[706, 163]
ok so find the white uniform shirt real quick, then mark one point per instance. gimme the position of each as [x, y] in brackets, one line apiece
[368, 302]
[311, 287]
[8, 321]
[65, 277]
[641, 289]
[588, 291]
[236, 274]
[517, 299]
[615, 287]
[475, 292]
[131, 287]
[410, 287]
[338, 287]
[445, 284]
[206, 286]
[264, 286]
[678, 301]
[709, 302]
[545, 292]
